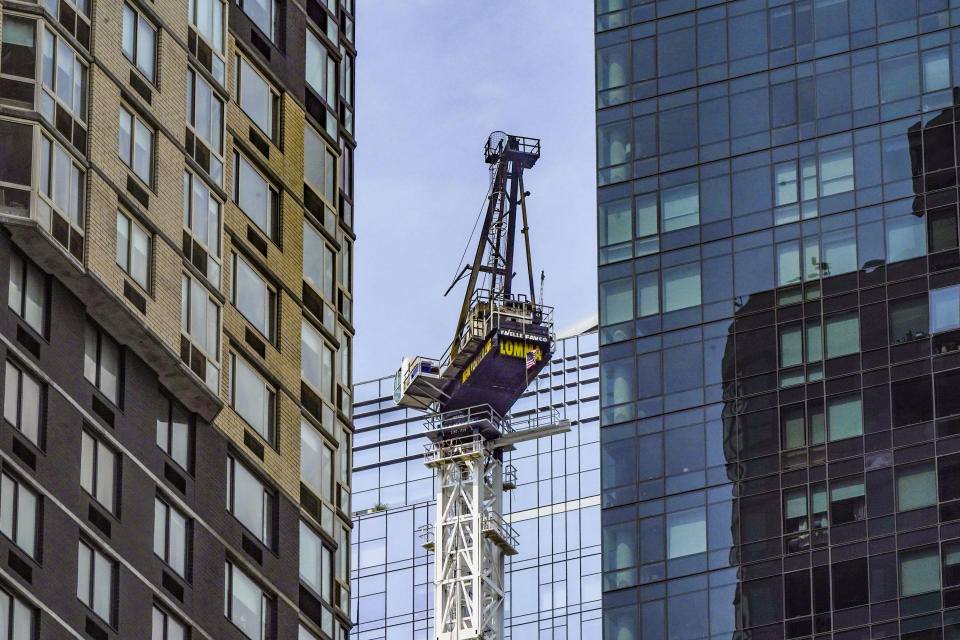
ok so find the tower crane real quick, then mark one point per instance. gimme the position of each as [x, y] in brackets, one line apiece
[503, 339]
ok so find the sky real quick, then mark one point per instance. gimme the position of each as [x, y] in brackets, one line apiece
[433, 79]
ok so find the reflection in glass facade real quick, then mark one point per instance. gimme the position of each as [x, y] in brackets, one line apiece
[779, 318]
[554, 581]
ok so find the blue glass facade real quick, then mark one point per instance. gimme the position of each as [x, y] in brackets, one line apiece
[554, 581]
[779, 318]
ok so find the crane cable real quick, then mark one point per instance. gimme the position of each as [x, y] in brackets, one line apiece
[483, 206]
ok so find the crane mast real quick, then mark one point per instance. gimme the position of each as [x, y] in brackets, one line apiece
[502, 341]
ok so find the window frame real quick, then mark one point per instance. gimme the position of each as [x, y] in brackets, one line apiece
[325, 565]
[268, 502]
[272, 214]
[90, 602]
[324, 388]
[329, 161]
[50, 94]
[165, 620]
[171, 408]
[214, 146]
[190, 287]
[922, 467]
[18, 608]
[274, 17]
[103, 339]
[211, 251]
[32, 546]
[131, 159]
[163, 539]
[29, 272]
[273, 99]
[327, 64]
[266, 431]
[134, 226]
[36, 432]
[92, 449]
[76, 185]
[266, 602]
[269, 331]
[150, 75]
[326, 489]
[328, 287]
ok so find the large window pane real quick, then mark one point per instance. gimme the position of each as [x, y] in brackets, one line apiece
[616, 301]
[843, 335]
[944, 309]
[844, 417]
[919, 572]
[681, 287]
[681, 207]
[916, 486]
[906, 238]
[686, 533]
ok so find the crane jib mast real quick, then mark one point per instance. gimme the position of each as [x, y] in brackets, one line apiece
[502, 341]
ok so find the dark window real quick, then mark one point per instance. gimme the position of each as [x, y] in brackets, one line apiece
[942, 228]
[951, 564]
[909, 318]
[760, 517]
[912, 401]
[847, 500]
[949, 477]
[883, 577]
[762, 602]
[946, 385]
[797, 589]
[15, 167]
[850, 583]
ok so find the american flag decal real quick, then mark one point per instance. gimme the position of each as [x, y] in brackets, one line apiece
[531, 358]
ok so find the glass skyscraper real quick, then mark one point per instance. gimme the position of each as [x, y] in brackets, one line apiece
[779, 318]
[554, 581]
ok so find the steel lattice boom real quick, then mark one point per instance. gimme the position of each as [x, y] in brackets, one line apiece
[502, 341]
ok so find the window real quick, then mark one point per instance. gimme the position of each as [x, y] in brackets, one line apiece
[200, 324]
[18, 622]
[316, 563]
[98, 471]
[256, 196]
[250, 501]
[258, 99]
[686, 533]
[64, 79]
[166, 627]
[22, 401]
[906, 238]
[139, 41]
[321, 70]
[207, 17]
[27, 295]
[615, 224]
[836, 172]
[616, 301]
[19, 512]
[101, 362]
[316, 461]
[317, 261]
[847, 501]
[251, 397]
[247, 606]
[681, 287]
[304, 634]
[844, 417]
[919, 571]
[253, 297]
[205, 117]
[95, 581]
[944, 309]
[951, 564]
[795, 511]
[170, 536]
[61, 182]
[316, 360]
[319, 165]
[916, 486]
[908, 319]
[262, 13]
[133, 249]
[19, 49]
[680, 207]
[201, 219]
[842, 334]
[173, 431]
[135, 145]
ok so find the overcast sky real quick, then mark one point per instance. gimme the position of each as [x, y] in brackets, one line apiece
[434, 78]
